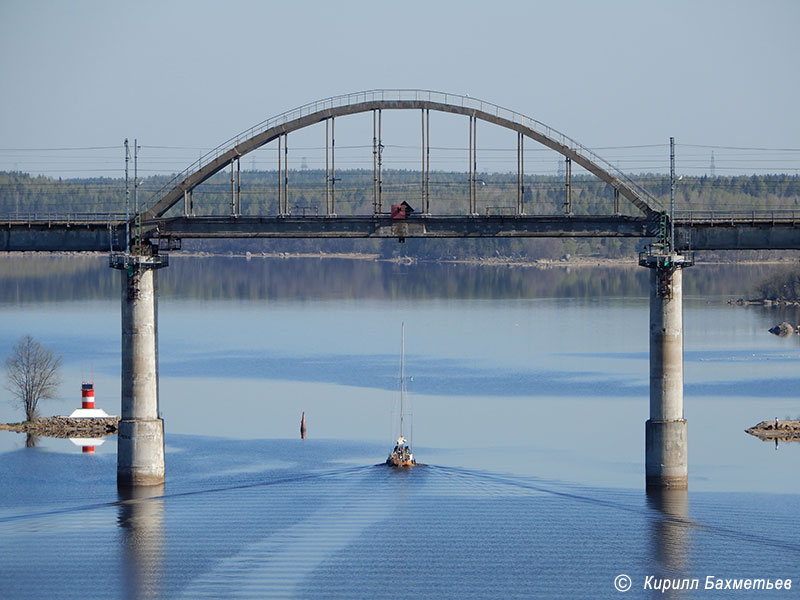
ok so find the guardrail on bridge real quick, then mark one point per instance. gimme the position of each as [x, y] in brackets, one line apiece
[737, 217]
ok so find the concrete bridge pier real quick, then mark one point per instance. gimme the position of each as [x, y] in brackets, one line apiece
[666, 440]
[140, 438]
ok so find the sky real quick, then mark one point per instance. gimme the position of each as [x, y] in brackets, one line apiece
[182, 76]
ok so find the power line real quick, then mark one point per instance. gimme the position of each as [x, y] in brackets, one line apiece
[176, 148]
[636, 147]
[741, 148]
[60, 149]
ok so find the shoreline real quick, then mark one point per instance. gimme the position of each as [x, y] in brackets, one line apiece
[508, 261]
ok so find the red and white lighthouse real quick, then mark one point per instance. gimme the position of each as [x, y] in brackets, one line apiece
[87, 395]
[87, 409]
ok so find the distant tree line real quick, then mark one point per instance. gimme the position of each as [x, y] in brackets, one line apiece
[352, 190]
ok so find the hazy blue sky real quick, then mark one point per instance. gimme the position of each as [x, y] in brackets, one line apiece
[190, 74]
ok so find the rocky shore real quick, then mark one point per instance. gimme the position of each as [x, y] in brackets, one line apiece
[65, 427]
[785, 431]
[763, 302]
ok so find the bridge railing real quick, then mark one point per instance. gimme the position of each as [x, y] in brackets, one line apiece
[764, 216]
[364, 97]
[74, 218]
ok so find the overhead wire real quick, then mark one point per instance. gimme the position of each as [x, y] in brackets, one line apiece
[539, 160]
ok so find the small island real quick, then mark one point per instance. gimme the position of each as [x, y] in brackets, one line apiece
[66, 427]
[784, 431]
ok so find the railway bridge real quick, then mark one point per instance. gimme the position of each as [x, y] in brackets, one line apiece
[138, 244]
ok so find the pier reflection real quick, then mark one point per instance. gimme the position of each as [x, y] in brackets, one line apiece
[141, 516]
[670, 537]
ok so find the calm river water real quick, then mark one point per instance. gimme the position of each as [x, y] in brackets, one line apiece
[529, 391]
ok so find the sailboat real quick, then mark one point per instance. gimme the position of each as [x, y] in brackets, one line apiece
[401, 455]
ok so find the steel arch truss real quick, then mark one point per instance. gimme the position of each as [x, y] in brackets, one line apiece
[181, 186]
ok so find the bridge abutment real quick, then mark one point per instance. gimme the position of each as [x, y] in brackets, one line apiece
[140, 439]
[666, 439]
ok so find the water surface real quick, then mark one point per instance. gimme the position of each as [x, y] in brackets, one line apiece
[529, 394]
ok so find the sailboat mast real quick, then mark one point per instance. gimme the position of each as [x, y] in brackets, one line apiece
[402, 371]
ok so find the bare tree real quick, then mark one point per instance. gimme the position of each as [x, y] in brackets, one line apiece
[32, 372]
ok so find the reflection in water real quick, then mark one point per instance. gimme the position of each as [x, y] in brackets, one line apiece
[38, 279]
[87, 445]
[770, 436]
[30, 440]
[786, 439]
[141, 516]
[670, 537]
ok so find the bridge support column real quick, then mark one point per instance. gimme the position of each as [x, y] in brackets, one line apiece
[140, 439]
[666, 441]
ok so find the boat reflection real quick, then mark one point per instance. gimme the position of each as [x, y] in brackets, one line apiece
[141, 518]
[671, 532]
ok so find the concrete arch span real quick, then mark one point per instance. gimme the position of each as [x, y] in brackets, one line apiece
[362, 102]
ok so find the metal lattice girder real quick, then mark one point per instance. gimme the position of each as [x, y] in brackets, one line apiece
[378, 100]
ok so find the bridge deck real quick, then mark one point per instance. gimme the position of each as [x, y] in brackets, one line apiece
[696, 232]
[416, 227]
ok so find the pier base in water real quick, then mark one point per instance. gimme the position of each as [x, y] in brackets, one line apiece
[666, 448]
[140, 453]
